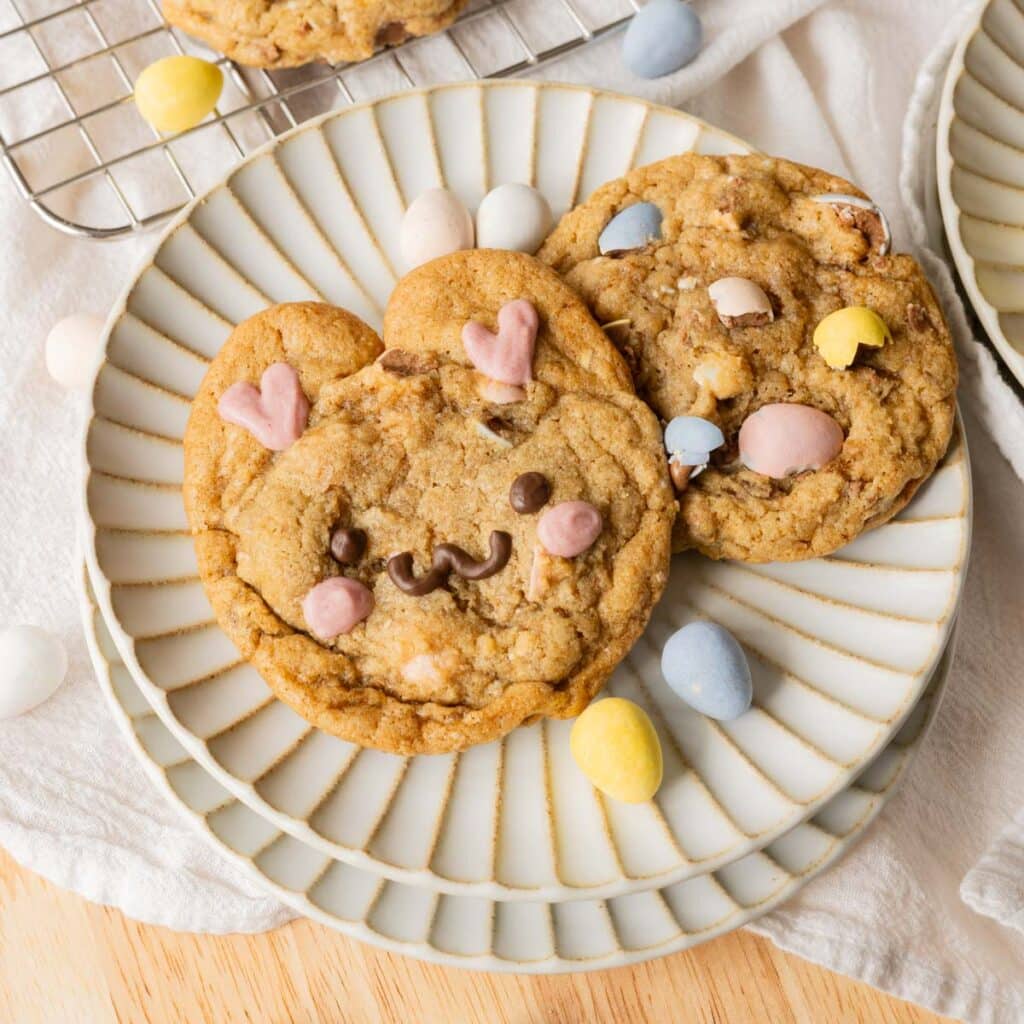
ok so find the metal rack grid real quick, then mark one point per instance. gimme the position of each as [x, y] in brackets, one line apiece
[79, 153]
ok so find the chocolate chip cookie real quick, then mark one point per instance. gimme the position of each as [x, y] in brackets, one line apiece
[275, 34]
[713, 275]
[423, 547]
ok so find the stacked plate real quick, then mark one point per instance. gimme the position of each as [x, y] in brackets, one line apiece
[980, 159]
[502, 857]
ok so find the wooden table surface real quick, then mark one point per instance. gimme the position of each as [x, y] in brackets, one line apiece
[66, 961]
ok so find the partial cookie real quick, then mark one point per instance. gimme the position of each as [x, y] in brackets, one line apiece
[712, 274]
[272, 34]
[420, 567]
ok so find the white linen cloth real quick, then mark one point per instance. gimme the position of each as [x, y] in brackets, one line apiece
[827, 83]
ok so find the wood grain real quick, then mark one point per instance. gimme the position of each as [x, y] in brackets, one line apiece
[66, 961]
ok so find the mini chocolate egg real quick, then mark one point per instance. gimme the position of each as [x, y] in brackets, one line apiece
[175, 93]
[839, 334]
[73, 350]
[785, 438]
[33, 664]
[664, 36]
[687, 436]
[740, 302]
[435, 224]
[513, 216]
[616, 747]
[707, 668]
[631, 228]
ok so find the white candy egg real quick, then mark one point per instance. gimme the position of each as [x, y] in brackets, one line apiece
[435, 224]
[74, 347]
[513, 216]
[33, 664]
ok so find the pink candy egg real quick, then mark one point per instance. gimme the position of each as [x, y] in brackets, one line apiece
[569, 528]
[785, 438]
[335, 606]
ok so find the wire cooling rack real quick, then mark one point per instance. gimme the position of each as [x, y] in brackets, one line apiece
[80, 154]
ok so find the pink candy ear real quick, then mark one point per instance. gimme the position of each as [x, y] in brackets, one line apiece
[275, 413]
[508, 355]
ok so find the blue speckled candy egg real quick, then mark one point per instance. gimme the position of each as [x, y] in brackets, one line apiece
[692, 434]
[707, 668]
[631, 229]
[664, 36]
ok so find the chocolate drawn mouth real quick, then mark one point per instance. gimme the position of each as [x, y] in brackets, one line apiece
[449, 558]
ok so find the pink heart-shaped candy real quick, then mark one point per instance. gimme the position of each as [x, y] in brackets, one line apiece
[275, 413]
[508, 355]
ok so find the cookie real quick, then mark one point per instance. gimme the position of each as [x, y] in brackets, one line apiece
[280, 35]
[712, 285]
[416, 554]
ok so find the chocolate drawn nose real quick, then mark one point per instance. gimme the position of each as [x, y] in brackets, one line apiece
[449, 558]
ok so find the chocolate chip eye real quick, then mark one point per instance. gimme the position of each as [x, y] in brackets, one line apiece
[348, 545]
[529, 493]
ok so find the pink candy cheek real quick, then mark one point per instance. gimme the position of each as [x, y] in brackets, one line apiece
[569, 528]
[336, 606]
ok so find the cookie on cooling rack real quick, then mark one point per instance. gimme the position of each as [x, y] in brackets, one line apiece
[282, 35]
[422, 548]
[716, 278]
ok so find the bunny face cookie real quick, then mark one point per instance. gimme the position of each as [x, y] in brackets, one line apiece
[440, 554]
[759, 295]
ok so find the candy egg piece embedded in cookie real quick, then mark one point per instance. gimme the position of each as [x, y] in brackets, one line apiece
[692, 435]
[838, 336]
[863, 214]
[513, 216]
[422, 569]
[718, 319]
[634, 228]
[740, 302]
[706, 667]
[615, 746]
[435, 224]
[783, 439]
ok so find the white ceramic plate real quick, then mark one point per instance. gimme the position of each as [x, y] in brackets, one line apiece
[840, 648]
[980, 155]
[470, 931]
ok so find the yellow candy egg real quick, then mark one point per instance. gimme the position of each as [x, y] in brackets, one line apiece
[176, 93]
[617, 749]
[839, 334]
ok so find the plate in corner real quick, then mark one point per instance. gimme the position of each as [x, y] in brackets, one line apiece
[980, 172]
